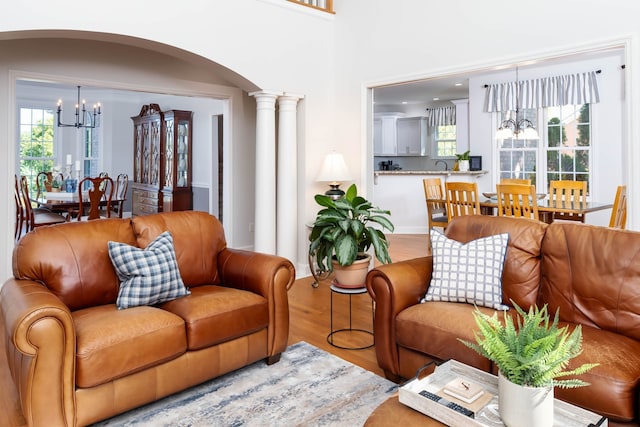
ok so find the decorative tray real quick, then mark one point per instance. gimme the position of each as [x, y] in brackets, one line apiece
[485, 408]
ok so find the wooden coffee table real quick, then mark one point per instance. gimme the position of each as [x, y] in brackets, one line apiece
[391, 412]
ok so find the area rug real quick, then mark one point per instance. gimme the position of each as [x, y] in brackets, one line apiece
[307, 387]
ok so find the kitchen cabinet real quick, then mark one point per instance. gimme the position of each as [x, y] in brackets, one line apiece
[395, 135]
[411, 136]
[384, 136]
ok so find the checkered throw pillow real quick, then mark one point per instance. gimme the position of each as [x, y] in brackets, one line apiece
[149, 276]
[470, 272]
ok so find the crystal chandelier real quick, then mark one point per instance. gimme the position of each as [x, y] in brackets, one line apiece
[517, 128]
[80, 120]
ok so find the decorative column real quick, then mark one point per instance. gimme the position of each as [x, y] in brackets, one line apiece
[287, 183]
[265, 209]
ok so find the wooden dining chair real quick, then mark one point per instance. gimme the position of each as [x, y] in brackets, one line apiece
[519, 181]
[20, 214]
[120, 194]
[619, 213]
[462, 199]
[34, 218]
[436, 203]
[517, 200]
[568, 193]
[98, 193]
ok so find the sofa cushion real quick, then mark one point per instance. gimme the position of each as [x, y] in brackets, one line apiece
[214, 314]
[468, 272]
[112, 343]
[433, 328]
[614, 383]
[198, 238]
[150, 275]
[522, 271]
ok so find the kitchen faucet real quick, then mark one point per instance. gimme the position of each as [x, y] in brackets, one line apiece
[446, 166]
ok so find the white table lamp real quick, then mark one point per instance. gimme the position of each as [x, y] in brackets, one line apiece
[334, 171]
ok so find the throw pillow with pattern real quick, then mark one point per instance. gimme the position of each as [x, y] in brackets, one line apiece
[148, 276]
[468, 272]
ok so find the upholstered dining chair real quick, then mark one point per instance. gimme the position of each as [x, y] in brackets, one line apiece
[619, 213]
[517, 200]
[520, 181]
[568, 193]
[99, 192]
[436, 203]
[35, 217]
[462, 198]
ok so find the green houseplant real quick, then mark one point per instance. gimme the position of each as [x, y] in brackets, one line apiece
[343, 231]
[532, 355]
[462, 161]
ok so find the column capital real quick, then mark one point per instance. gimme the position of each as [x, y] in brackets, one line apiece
[265, 94]
[292, 96]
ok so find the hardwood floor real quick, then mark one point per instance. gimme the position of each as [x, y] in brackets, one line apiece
[309, 309]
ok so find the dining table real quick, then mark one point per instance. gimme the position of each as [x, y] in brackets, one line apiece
[546, 207]
[63, 202]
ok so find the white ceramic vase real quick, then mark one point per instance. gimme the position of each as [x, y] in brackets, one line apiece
[522, 406]
[354, 275]
[463, 165]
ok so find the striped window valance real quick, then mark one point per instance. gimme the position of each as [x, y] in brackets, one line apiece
[572, 89]
[442, 116]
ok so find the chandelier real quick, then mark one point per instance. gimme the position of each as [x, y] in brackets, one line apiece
[517, 128]
[80, 120]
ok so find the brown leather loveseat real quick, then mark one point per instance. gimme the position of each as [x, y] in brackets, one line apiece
[76, 358]
[592, 274]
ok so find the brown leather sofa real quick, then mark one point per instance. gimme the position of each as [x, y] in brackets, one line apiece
[592, 274]
[76, 359]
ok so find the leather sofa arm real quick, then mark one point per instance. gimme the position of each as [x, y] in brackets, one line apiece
[395, 287]
[40, 349]
[267, 275]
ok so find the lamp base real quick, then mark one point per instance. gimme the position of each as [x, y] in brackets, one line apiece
[335, 192]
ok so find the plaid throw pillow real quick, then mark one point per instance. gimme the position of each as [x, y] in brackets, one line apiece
[470, 272]
[149, 276]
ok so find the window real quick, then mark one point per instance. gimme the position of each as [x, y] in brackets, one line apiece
[445, 140]
[568, 143]
[36, 145]
[91, 151]
[561, 153]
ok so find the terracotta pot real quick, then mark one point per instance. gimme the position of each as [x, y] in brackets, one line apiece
[522, 406]
[354, 275]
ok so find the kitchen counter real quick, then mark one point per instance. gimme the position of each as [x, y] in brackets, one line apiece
[434, 172]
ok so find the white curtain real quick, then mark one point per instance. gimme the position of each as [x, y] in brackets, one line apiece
[573, 89]
[443, 116]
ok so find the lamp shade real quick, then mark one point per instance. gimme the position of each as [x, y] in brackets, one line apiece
[334, 169]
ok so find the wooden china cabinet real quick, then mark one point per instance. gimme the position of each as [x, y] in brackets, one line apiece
[162, 144]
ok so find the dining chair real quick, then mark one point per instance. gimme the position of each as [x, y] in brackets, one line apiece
[120, 194]
[570, 193]
[462, 199]
[436, 204]
[20, 215]
[619, 212]
[34, 218]
[517, 200]
[520, 181]
[98, 193]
